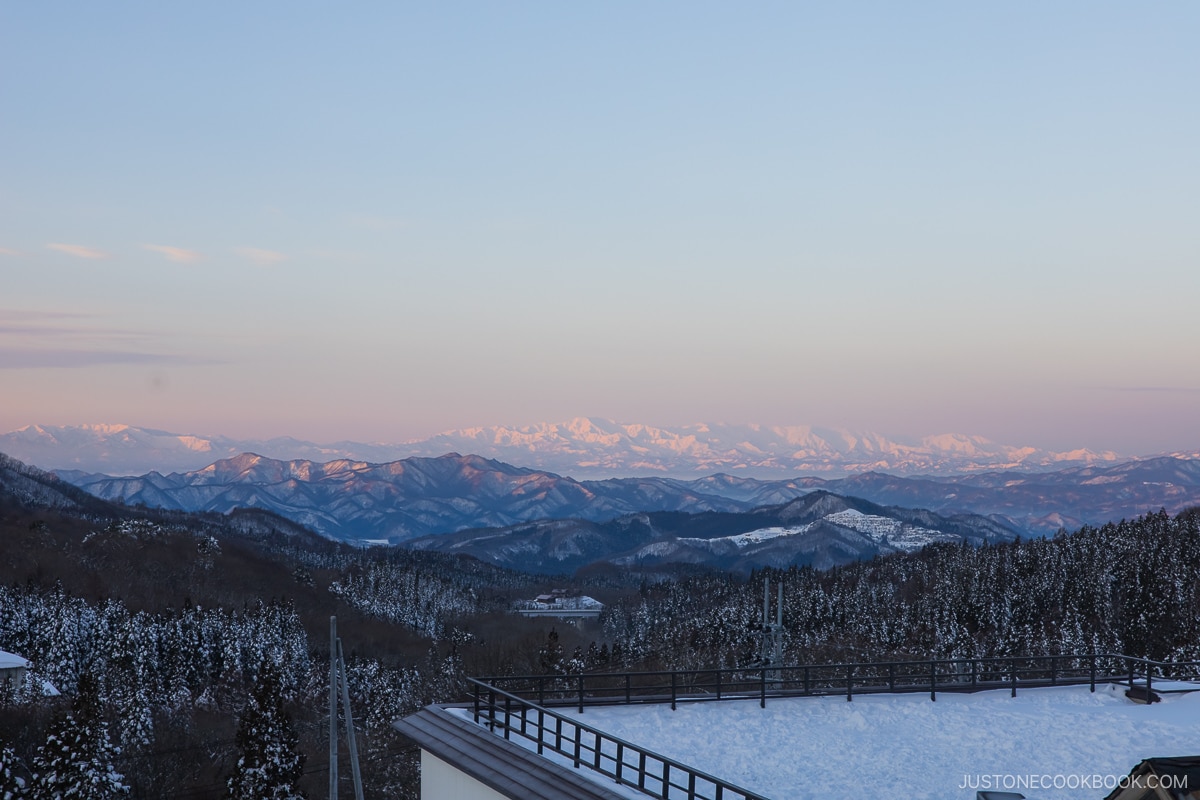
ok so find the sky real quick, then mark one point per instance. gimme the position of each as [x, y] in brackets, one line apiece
[377, 221]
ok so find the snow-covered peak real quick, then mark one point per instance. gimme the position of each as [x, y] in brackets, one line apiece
[885, 531]
[582, 447]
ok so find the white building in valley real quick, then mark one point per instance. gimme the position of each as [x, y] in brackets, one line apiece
[561, 604]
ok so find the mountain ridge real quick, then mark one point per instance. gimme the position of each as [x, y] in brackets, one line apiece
[820, 529]
[405, 499]
[585, 447]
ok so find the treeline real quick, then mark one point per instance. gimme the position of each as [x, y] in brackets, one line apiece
[160, 698]
[1127, 587]
[170, 690]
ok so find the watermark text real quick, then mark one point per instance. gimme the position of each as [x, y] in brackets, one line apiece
[1042, 781]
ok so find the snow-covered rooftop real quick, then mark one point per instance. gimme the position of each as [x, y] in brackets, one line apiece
[11, 660]
[1062, 742]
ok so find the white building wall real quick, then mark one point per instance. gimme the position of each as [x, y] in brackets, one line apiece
[440, 781]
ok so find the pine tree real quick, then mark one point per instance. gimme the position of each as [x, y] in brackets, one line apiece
[12, 787]
[76, 762]
[550, 656]
[269, 765]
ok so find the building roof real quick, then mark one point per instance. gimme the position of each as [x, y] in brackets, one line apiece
[506, 767]
[11, 660]
[1186, 767]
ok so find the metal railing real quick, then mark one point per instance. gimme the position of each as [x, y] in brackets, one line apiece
[933, 676]
[522, 706]
[584, 746]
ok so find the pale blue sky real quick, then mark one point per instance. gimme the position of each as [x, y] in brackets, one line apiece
[380, 220]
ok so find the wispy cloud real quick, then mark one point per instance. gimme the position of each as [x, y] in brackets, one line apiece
[33, 339]
[43, 330]
[60, 325]
[78, 250]
[176, 254]
[39, 314]
[43, 358]
[1154, 389]
[264, 258]
[5, 251]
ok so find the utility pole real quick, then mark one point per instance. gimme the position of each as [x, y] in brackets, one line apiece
[337, 677]
[354, 770]
[333, 701]
[770, 643]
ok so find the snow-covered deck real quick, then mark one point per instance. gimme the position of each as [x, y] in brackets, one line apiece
[1063, 742]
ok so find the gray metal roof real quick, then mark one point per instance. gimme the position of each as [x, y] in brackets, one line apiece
[504, 766]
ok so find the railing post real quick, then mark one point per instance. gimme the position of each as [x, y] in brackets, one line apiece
[933, 681]
[892, 676]
[1054, 670]
[807, 686]
[718, 683]
[581, 693]
[672, 691]
[541, 691]
[691, 786]
[477, 690]
[541, 729]
[849, 682]
[491, 710]
[666, 780]
[1131, 663]
[642, 770]
[1149, 681]
[974, 674]
[578, 744]
[558, 734]
[762, 692]
[507, 715]
[1093, 672]
[596, 761]
[620, 759]
[1013, 676]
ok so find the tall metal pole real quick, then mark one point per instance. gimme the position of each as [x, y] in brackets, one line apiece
[779, 629]
[766, 601]
[333, 701]
[358, 791]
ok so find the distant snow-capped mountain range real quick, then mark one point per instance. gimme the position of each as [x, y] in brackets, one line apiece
[418, 496]
[583, 447]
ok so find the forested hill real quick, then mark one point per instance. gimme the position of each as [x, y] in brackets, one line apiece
[176, 619]
[1125, 587]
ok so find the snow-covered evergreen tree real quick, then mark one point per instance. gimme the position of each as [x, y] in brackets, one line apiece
[12, 786]
[76, 762]
[550, 656]
[269, 765]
